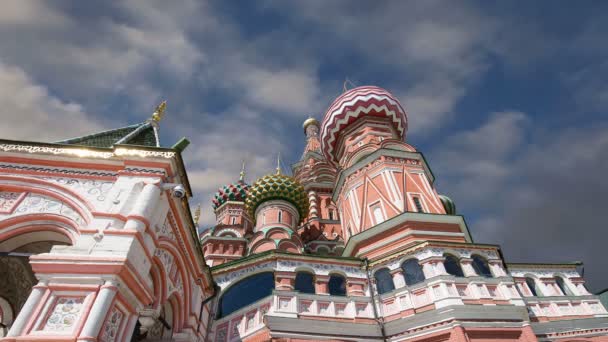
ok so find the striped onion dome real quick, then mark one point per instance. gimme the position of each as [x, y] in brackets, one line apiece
[354, 104]
[231, 192]
[448, 205]
[277, 187]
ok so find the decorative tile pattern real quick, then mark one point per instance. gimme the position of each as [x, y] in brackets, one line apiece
[8, 201]
[110, 330]
[65, 314]
[35, 203]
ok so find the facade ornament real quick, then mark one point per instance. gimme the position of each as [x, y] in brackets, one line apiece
[159, 112]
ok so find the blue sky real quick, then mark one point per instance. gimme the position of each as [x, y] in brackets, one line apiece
[507, 101]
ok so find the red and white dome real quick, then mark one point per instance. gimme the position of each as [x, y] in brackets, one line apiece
[354, 104]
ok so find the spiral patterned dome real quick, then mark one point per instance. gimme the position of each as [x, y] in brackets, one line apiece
[354, 104]
[277, 187]
[231, 192]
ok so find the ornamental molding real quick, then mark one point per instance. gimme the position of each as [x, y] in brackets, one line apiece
[430, 252]
[39, 204]
[543, 273]
[46, 169]
[288, 266]
[86, 153]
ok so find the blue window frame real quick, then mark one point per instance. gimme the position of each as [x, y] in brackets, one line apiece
[305, 282]
[245, 292]
[384, 281]
[412, 272]
[452, 266]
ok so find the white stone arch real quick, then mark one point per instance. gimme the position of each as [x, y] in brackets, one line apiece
[305, 269]
[540, 287]
[567, 283]
[81, 206]
[225, 231]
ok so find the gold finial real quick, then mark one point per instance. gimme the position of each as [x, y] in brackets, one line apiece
[159, 112]
[197, 214]
[279, 164]
[242, 174]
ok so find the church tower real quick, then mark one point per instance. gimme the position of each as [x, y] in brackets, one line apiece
[384, 191]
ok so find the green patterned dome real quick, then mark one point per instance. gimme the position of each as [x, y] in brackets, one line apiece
[231, 192]
[277, 187]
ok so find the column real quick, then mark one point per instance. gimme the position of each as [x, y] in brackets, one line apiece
[355, 287]
[284, 281]
[322, 284]
[398, 278]
[467, 267]
[28, 309]
[142, 210]
[496, 268]
[98, 312]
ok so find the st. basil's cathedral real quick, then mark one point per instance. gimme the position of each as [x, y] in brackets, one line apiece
[98, 243]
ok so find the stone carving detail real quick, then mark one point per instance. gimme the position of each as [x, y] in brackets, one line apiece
[110, 330]
[8, 201]
[438, 252]
[64, 315]
[288, 266]
[35, 203]
[543, 273]
[165, 258]
[46, 169]
[166, 229]
[92, 190]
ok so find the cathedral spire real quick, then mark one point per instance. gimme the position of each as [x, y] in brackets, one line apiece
[278, 164]
[242, 173]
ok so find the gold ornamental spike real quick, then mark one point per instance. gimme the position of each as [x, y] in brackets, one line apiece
[159, 112]
[197, 214]
[242, 174]
[279, 164]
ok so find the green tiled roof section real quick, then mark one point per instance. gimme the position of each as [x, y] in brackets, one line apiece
[144, 138]
[108, 138]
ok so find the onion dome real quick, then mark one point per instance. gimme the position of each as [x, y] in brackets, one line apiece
[354, 104]
[310, 121]
[231, 192]
[448, 205]
[277, 187]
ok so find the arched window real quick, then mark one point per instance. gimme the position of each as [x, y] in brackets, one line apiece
[481, 266]
[412, 272]
[452, 266]
[280, 216]
[384, 281]
[563, 287]
[305, 282]
[337, 285]
[378, 215]
[245, 292]
[532, 286]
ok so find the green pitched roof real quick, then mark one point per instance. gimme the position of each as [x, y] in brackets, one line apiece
[143, 134]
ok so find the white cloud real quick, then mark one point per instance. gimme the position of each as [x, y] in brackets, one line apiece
[539, 199]
[31, 113]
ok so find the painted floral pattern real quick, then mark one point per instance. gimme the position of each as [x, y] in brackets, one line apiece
[65, 314]
[110, 330]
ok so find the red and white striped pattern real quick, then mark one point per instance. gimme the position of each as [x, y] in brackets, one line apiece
[353, 104]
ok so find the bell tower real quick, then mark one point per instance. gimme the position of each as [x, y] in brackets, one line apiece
[384, 191]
